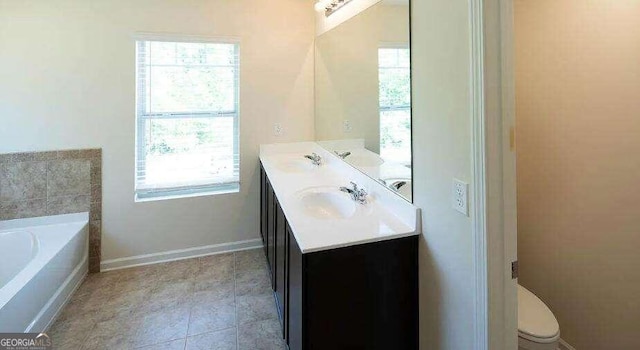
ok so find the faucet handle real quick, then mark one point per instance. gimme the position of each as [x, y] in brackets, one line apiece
[342, 155]
[362, 195]
[314, 157]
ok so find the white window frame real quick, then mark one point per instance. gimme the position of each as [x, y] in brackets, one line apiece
[389, 45]
[194, 189]
[381, 108]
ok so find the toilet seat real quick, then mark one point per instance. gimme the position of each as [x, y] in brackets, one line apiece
[536, 322]
[538, 340]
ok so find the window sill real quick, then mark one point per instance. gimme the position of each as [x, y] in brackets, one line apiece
[162, 197]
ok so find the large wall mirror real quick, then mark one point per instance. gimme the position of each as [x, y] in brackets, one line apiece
[363, 93]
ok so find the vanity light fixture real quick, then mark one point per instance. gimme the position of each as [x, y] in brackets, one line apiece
[330, 6]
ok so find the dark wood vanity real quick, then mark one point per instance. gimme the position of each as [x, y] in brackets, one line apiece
[362, 296]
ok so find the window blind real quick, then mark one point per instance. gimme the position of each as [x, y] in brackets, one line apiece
[187, 118]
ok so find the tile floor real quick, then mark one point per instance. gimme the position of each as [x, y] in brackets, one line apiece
[214, 302]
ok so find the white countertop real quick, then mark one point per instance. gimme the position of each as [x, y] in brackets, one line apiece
[386, 215]
[387, 170]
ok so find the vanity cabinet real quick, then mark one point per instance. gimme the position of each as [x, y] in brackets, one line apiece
[268, 224]
[363, 296]
[281, 266]
[263, 208]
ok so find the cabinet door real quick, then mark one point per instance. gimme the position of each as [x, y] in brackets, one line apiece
[263, 205]
[295, 324]
[281, 266]
[271, 225]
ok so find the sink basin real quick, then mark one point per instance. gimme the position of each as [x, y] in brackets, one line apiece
[294, 165]
[327, 203]
[364, 160]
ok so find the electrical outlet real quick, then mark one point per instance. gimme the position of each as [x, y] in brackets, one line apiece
[277, 129]
[346, 126]
[460, 197]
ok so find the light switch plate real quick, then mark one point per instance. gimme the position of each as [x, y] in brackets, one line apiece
[460, 197]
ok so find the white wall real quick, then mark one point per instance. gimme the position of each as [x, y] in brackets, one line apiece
[346, 73]
[67, 81]
[441, 151]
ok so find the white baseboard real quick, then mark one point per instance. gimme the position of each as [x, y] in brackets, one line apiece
[180, 254]
[565, 346]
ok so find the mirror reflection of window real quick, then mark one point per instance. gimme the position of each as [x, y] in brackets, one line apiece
[394, 76]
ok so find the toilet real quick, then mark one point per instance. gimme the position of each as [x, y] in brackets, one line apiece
[538, 328]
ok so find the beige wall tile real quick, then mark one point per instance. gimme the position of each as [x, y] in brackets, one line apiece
[23, 209]
[69, 204]
[96, 193]
[51, 183]
[95, 212]
[41, 156]
[96, 171]
[23, 180]
[68, 177]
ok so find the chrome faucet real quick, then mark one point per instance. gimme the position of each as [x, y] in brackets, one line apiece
[357, 194]
[342, 155]
[315, 158]
[397, 185]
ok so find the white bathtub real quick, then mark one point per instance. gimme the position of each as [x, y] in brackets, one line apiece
[42, 261]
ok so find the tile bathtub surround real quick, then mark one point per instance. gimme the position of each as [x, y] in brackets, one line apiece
[215, 302]
[51, 183]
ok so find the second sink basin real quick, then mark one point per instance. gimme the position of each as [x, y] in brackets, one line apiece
[364, 160]
[294, 165]
[327, 203]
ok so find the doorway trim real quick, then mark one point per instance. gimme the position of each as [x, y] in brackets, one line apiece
[479, 215]
[493, 199]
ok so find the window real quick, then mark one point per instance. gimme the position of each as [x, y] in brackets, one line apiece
[394, 76]
[186, 118]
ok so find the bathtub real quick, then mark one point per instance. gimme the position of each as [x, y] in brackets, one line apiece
[42, 261]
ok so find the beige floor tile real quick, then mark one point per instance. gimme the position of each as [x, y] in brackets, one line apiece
[219, 340]
[96, 282]
[129, 299]
[75, 309]
[162, 326]
[261, 335]
[71, 333]
[97, 299]
[121, 303]
[250, 259]
[167, 295]
[138, 273]
[157, 306]
[171, 345]
[214, 290]
[253, 282]
[111, 334]
[207, 316]
[120, 307]
[180, 270]
[216, 268]
[137, 280]
[217, 260]
[251, 308]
